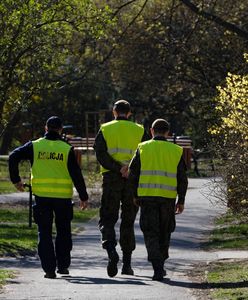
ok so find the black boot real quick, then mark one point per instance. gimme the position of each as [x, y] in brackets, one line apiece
[158, 270]
[126, 268]
[164, 270]
[113, 257]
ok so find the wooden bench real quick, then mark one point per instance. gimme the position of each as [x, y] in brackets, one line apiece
[187, 148]
[81, 144]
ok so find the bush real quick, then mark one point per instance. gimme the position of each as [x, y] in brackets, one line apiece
[231, 140]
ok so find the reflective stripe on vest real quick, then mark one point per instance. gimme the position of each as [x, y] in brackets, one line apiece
[50, 176]
[119, 150]
[122, 138]
[157, 186]
[158, 174]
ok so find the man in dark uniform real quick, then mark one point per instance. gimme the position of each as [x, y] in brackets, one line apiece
[115, 145]
[54, 170]
[158, 175]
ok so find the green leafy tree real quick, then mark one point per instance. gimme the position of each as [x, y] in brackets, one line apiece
[231, 136]
[44, 45]
[172, 60]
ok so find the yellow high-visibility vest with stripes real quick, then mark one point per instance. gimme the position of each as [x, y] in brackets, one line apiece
[158, 173]
[49, 173]
[122, 138]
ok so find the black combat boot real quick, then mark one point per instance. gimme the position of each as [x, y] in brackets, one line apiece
[113, 257]
[158, 270]
[164, 270]
[126, 268]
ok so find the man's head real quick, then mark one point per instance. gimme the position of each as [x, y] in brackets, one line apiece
[122, 108]
[54, 123]
[160, 127]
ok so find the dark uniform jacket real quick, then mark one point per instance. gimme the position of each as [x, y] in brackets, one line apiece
[25, 152]
[182, 181]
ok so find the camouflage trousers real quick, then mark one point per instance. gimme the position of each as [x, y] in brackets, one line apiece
[117, 196]
[157, 222]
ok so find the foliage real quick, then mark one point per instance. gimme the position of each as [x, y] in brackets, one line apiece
[171, 61]
[231, 135]
[82, 55]
[43, 45]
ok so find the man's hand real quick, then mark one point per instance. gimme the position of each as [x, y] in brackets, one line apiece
[124, 171]
[83, 204]
[20, 186]
[179, 208]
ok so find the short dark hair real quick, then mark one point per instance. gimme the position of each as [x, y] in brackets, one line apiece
[122, 107]
[160, 126]
[54, 123]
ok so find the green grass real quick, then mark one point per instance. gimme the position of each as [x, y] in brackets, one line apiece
[228, 281]
[18, 239]
[230, 233]
[6, 187]
[4, 275]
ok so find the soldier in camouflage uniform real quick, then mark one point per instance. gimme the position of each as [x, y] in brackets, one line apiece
[115, 145]
[158, 174]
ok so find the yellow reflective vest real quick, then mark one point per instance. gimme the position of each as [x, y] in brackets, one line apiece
[158, 173]
[122, 138]
[49, 173]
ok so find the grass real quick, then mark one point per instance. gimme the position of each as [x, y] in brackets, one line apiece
[4, 275]
[228, 281]
[18, 239]
[225, 279]
[230, 233]
[6, 187]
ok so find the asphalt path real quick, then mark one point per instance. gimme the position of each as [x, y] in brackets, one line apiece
[88, 278]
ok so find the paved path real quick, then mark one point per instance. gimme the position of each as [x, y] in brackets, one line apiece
[88, 278]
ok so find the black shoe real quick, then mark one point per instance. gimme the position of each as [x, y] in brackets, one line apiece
[112, 269]
[50, 275]
[127, 270]
[63, 271]
[164, 272]
[158, 276]
[158, 270]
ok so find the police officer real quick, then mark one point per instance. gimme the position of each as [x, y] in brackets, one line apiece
[54, 170]
[158, 174]
[115, 145]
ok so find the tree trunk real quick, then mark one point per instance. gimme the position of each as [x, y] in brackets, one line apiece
[8, 134]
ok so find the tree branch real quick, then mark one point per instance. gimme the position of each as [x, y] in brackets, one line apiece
[227, 25]
[107, 56]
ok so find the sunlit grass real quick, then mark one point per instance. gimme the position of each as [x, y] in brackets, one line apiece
[4, 275]
[18, 239]
[230, 233]
[228, 281]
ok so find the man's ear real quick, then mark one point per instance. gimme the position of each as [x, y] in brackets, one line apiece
[129, 114]
[152, 132]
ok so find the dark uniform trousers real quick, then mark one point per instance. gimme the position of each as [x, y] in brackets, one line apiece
[44, 210]
[157, 222]
[117, 193]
